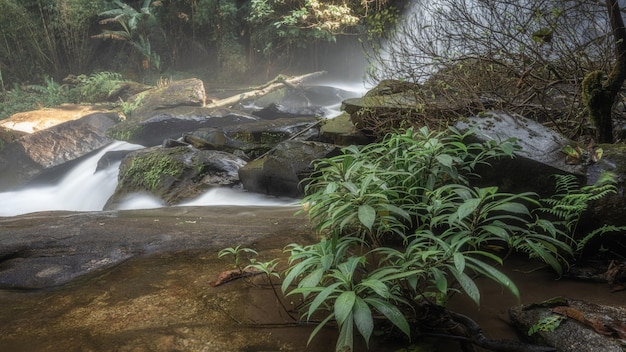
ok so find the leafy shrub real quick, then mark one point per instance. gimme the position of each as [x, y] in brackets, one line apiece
[412, 187]
[94, 88]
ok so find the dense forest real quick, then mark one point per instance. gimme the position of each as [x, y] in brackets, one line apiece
[145, 39]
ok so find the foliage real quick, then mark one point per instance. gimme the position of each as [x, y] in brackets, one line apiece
[32, 97]
[135, 25]
[548, 323]
[149, 170]
[373, 190]
[412, 187]
[237, 253]
[567, 205]
[44, 37]
[94, 88]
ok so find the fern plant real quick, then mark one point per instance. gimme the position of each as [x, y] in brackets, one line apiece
[569, 202]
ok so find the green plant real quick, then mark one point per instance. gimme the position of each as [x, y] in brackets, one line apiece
[135, 29]
[49, 94]
[377, 190]
[548, 323]
[237, 253]
[411, 186]
[96, 87]
[569, 202]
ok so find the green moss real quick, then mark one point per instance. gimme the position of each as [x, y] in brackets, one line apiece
[147, 171]
[124, 131]
[598, 100]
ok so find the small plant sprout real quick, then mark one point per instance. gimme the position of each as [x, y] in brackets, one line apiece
[237, 253]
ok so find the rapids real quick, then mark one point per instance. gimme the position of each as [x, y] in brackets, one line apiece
[83, 188]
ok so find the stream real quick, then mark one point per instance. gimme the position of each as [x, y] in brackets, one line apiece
[82, 188]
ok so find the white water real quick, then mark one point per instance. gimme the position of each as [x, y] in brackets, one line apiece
[80, 189]
[83, 189]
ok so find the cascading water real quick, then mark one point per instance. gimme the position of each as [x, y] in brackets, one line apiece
[82, 188]
[85, 189]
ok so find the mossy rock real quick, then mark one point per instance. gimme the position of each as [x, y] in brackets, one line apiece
[174, 174]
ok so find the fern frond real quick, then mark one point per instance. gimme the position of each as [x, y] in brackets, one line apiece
[599, 232]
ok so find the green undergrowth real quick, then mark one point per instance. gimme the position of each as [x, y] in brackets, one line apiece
[402, 229]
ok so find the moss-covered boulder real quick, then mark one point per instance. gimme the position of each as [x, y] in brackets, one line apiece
[174, 174]
[396, 104]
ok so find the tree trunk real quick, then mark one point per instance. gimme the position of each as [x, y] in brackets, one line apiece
[599, 96]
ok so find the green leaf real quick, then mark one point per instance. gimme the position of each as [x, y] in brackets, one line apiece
[494, 274]
[313, 279]
[445, 160]
[467, 207]
[321, 298]
[440, 280]
[345, 340]
[459, 261]
[496, 230]
[367, 216]
[517, 208]
[378, 286]
[467, 284]
[343, 306]
[392, 313]
[319, 327]
[363, 319]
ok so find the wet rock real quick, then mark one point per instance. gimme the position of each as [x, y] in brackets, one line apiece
[29, 156]
[395, 104]
[48, 249]
[39, 120]
[281, 171]
[341, 131]
[256, 138]
[276, 111]
[187, 92]
[540, 154]
[111, 157]
[172, 123]
[575, 333]
[174, 174]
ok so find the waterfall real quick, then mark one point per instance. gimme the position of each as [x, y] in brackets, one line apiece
[82, 188]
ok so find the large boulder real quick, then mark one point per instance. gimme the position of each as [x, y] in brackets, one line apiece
[187, 92]
[282, 170]
[540, 154]
[31, 155]
[43, 250]
[38, 120]
[341, 131]
[174, 174]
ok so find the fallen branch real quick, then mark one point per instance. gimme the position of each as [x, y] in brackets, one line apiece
[278, 82]
[234, 274]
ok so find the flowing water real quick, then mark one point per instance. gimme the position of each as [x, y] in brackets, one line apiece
[83, 188]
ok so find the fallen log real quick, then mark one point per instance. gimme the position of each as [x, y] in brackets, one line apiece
[278, 82]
